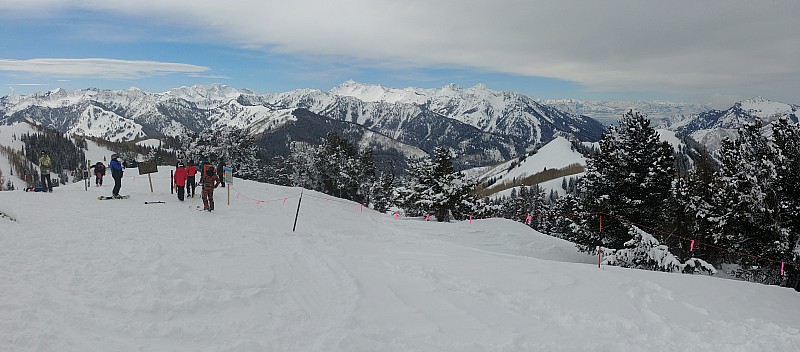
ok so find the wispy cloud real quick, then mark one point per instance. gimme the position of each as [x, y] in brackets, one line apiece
[194, 75]
[97, 67]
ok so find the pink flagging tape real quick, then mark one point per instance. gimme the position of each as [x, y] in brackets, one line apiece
[427, 216]
[396, 215]
[470, 219]
[528, 220]
[691, 246]
[284, 200]
[783, 273]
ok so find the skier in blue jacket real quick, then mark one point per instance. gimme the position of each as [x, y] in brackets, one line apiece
[116, 173]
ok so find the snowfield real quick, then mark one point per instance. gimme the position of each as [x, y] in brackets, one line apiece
[78, 274]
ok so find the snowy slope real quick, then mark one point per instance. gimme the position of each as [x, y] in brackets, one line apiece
[78, 274]
[554, 155]
[7, 134]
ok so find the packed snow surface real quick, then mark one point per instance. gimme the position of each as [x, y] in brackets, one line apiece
[78, 274]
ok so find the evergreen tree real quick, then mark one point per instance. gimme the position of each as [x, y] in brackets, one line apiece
[748, 202]
[435, 188]
[787, 154]
[698, 207]
[571, 223]
[335, 167]
[366, 176]
[232, 145]
[303, 164]
[629, 179]
[338, 168]
[382, 195]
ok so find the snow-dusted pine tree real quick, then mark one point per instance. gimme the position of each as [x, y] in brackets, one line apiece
[435, 188]
[235, 146]
[747, 198]
[335, 167]
[629, 179]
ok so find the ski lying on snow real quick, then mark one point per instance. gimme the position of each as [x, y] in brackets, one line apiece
[111, 197]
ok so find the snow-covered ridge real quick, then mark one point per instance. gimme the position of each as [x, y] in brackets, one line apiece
[711, 127]
[609, 112]
[511, 122]
[765, 109]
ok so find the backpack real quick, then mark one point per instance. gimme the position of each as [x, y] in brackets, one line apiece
[210, 171]
[100, 168]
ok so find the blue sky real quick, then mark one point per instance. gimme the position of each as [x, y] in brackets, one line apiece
[715, 51]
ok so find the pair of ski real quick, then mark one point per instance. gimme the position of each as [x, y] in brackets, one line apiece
[126, 197]
[112, 197]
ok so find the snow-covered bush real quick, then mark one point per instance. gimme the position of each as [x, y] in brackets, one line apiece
[644, 251]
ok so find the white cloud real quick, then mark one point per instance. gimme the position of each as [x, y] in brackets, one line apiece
[721, 47]
[209, 76]
[97, 67]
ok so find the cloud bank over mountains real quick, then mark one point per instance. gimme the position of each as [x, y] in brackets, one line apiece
[709, 49]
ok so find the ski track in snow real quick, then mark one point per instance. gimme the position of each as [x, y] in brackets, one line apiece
[77, 274]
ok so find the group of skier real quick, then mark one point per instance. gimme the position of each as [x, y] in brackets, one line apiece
[210, 178]
[184, 177]
[99, 170]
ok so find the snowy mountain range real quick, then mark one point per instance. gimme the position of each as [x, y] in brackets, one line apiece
[711, 127]
[609, 112]
[482, 124]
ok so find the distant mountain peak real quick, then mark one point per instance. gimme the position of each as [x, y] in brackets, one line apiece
[764, 108]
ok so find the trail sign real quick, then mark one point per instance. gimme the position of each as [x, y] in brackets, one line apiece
[148, 167]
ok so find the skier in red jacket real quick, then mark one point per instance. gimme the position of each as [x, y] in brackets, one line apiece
[180, 180]
[191, 182]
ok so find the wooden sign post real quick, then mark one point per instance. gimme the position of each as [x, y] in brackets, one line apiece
[228, 175]
[148, 167]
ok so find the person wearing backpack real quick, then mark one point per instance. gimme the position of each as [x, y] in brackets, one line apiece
[210, 181]
[99, 172]
[44, 167]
